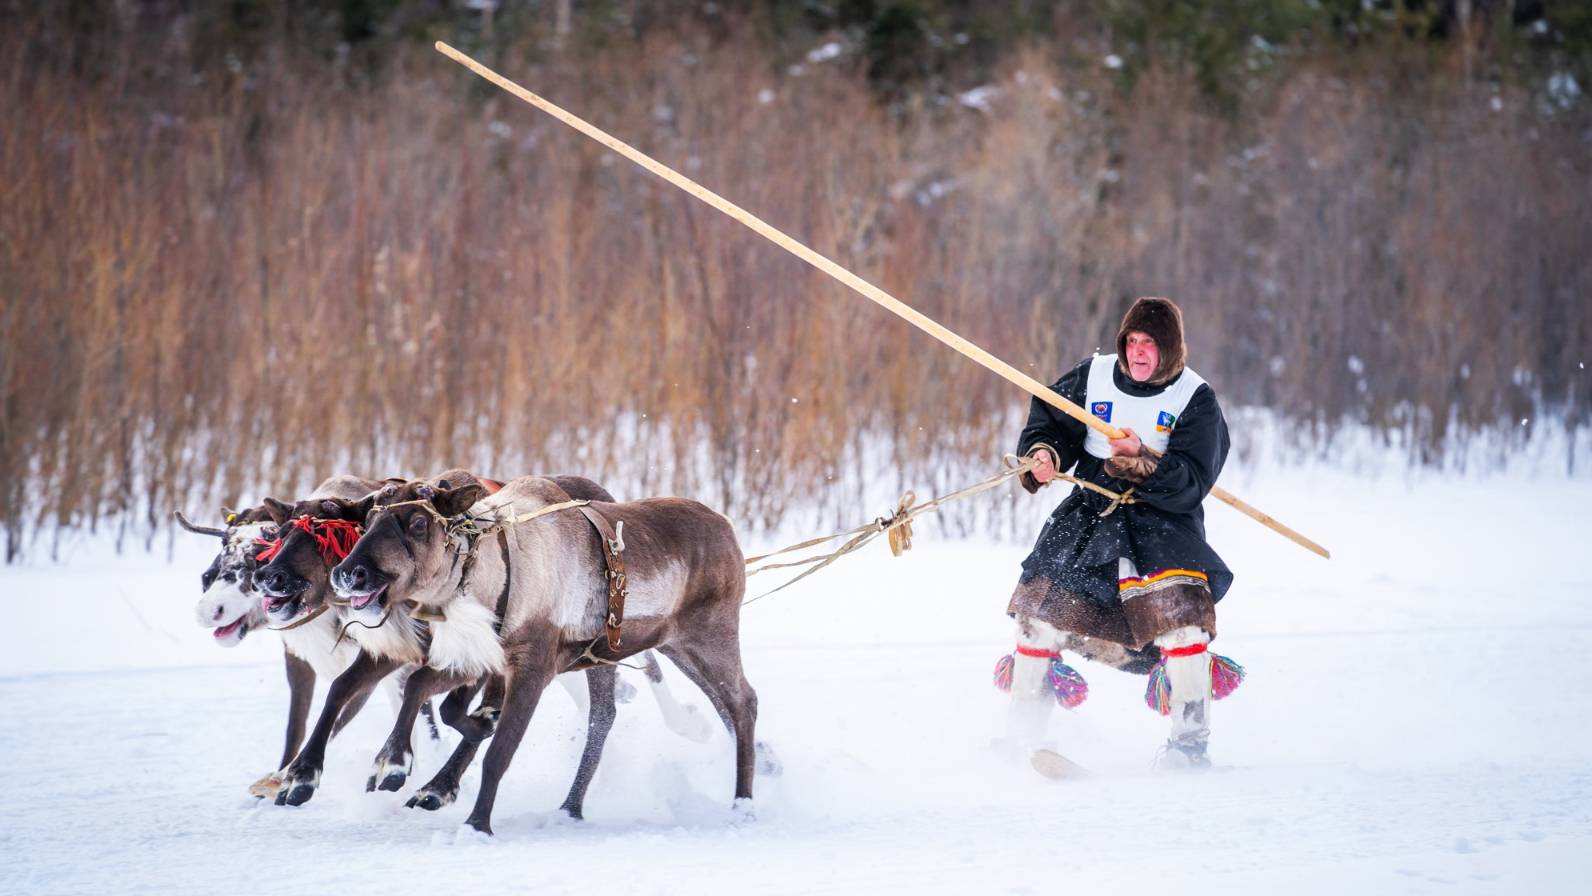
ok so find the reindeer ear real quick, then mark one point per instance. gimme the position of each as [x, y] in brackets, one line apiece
[454, 501]
[352, 511]
[277, 511]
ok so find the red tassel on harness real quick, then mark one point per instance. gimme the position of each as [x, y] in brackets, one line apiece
[333, 538]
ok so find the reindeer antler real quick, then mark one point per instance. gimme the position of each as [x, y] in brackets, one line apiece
[202, 530]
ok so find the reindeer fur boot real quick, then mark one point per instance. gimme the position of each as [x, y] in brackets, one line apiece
[1188, 672]
[1026, 673]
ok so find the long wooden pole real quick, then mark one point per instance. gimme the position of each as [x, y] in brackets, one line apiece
[868, 290]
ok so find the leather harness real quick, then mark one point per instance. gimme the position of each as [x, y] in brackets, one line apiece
[613, 550]
[618, 585]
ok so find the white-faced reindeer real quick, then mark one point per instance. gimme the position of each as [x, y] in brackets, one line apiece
[295, 583]
[533, 599]
[233, 608]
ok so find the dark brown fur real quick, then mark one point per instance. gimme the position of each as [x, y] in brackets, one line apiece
[1131, 623]
[1133, 469]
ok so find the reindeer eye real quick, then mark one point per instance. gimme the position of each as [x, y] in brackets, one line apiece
[418, 524]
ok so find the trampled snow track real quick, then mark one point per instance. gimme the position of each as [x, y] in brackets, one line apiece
[1414, 721]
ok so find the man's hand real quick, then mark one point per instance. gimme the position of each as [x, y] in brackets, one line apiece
[1046, 470]
[1127, 446]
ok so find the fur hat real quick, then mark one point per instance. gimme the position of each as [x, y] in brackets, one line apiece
[1161, 320]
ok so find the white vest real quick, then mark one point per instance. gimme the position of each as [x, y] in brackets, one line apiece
[1152, 417]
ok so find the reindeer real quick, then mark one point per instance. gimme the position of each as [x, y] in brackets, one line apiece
[295, 583]
[231, 606]
[540, 605]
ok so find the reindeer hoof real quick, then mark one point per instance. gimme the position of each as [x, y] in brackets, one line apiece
[297, 788]
[390, 772]
[431, 800]
[480, 824]
[266, 786]
[482, 723]
[743, 810]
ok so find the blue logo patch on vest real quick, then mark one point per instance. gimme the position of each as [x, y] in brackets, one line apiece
[1101, 409]
[1164, 422]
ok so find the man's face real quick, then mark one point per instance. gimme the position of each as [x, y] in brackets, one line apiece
[1143, 356]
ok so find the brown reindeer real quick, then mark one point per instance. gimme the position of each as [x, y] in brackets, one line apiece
[297, 578]
[548, 589]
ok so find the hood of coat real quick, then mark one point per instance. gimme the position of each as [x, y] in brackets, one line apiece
[1162, 321]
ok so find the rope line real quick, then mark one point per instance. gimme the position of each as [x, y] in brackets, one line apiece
[898, 525]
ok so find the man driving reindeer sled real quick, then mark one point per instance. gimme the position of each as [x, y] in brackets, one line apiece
[1128, 580]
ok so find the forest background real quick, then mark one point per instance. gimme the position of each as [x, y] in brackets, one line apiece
[245, 245]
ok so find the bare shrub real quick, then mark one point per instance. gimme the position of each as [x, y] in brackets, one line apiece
[238, 282]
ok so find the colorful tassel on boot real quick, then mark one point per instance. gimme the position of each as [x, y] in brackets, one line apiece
[1003, 672]
[1070, 687]
[1226, 676]
[1158, 692]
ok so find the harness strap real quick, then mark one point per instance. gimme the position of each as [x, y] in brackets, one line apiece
[313, 615]
[468, 529]
[618, 585]
[508, 568]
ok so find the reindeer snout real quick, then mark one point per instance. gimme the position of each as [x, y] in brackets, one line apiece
[276, 582]
[356, 577]
[272, 582]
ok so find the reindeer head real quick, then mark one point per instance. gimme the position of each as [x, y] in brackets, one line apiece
[404, 554]
[228, 605]
[312, 535]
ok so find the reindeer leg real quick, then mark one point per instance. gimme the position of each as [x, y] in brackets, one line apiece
[356, 702]
[600, 681]
[579, 691]
[681, 718]
[525, 685]
[457, 703]
[303, 774]
[430, 715]
[478, 725]
[396, 760]
[443, 789]
[300, 693]
[715, 667]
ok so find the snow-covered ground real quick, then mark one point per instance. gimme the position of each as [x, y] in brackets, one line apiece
[1416, 719]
